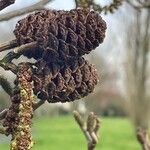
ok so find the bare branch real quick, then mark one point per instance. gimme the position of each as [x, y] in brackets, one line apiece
[138, 7]
[97, 126]
[143, 138]
[2, 131]
[6, 62]
[91, 132]
[78, 119]
[38, 104]
[80, 122]
[76, 3]
[3, 114]
[90, 122]
[19, 49]
[5, 85]
[8, 45]
[6, 3]
[38, 6]
[25, 47]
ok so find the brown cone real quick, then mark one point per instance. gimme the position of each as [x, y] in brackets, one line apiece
[64, 83]
[61, 34]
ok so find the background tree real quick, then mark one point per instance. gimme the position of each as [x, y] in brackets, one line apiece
[137, 46]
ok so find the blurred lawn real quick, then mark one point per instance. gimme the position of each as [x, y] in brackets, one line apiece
[62, 133]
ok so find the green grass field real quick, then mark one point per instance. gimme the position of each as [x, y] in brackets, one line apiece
[62, 133]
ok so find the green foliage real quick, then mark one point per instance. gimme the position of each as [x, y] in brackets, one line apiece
[62, 133]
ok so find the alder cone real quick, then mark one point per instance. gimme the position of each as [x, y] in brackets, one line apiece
[64, 83]
[61, 34]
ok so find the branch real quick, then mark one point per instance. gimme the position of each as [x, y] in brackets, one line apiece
[6, 3]
[115, 4]
[25, 47]
[80, 122]
[19, 49]
[38, 6]
[3, 113]
[91, 131]
[38, 104]
[8, 45]
[6, 62]
[2, 131]
[143, 138]
[138, 7]
[5, 85]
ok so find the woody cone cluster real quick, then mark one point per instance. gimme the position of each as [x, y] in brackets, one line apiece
[62, 37]
[66, 82]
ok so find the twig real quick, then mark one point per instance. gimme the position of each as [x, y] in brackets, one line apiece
[9, 57]
[6, 3]
[38, 104]
[25, 47]
[9, 66]
[8, 45]
[3, 114]
[19, 49]
[91, 131]
[136, 6]
[5, 85]
[6, 62]
[82, 126]
[76, 3]
[38, 6]
[2, 131]
[143, 138]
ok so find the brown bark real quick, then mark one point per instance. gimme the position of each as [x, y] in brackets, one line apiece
[6, 3]
[143, 138]
[137, 76]
[37, 6]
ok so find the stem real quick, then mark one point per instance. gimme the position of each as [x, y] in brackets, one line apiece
[37, 6]
[9, 66]
[6, 3]
[38, 104]
[143, 138]
[3, 114]
[8, 45]
[25, 47]
[2, 131]
[91, 131]
[5, 85]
